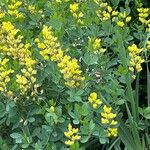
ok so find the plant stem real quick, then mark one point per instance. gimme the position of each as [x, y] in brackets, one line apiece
[147, 68]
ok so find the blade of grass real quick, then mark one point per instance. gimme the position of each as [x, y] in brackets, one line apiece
[148, 84]
[134, 130]
[148, 141]
[112, 145]
[147, 69]
[126, 136]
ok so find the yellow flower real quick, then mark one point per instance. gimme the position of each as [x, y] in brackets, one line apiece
[104, 121]
[115, 13]
[148, 45]
[128, 19]
[76, 137]
[74, 7]
[108, 118]
[95, 106]
[13, 9]
[113, 122]
[107, 109]
[135, 59]
[81, 15]
[97, 43]
[72, 134]
[112, 132]
[94, 101]
[93, 96]
[109, 9]
[2, 13]
[69, 142]
[143, 15]
[51, 51]
[7, 26]
[120, 23]
[5, 74]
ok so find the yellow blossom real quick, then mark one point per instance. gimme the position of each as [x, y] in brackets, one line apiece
[120, 23]
[13, 9]
[74, 7]
[128, 19]
[143, 15]
[95, 102]
[108, 118]
[52, 109]
[72, 135]
[77, 14]
[5, 74]
[112, 132]
[51, 51]
[135, 58]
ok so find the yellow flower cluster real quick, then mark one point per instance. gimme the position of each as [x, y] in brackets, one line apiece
[143, 15]
[2, 13]
[77, 14]
[33, 10]
[72, 134]
[108, 118]
[13, 9]
[122, 19]
[94, 44]
[27, 79]
[135, 59]
[4, 75]
[106, 12]
[51, 50]
[148, 28]
[52, 109]
[112, 132]
[148, 45]
[11, 43]
[12, 46]
[95, 102]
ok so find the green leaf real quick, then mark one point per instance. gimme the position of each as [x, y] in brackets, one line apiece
[147, 113]
[90, 58]
[15, 135]
[102, 135]
[25, 146]
[31, 119]
[91, 125]
[84, 139]
[120, 102]
[85, 110]
[2, 109]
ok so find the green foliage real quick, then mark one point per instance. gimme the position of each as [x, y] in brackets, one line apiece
[38, 119]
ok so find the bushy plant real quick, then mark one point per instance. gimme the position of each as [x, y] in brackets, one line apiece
[74, 74]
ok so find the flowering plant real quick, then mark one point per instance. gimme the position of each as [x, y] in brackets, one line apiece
[74, 74]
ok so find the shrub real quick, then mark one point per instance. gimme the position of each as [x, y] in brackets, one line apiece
[74, 74]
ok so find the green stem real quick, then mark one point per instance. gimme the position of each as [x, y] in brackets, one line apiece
[112, 145]
[134, 130]
[132, 120]
[123, 57]
[147, 68]
[137, 94]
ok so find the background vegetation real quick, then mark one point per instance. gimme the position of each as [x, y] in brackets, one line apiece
[74, 74]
